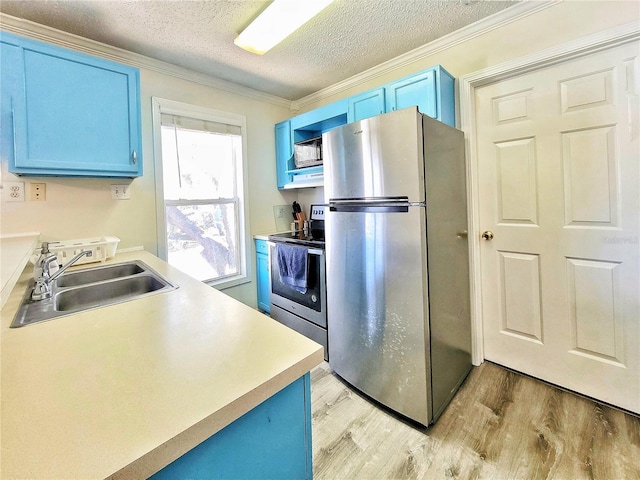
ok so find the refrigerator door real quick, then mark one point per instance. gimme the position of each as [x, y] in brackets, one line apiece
[377, 304]
[377, 157]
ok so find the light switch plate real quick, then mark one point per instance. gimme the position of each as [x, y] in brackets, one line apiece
[120, 192]
[282, 216]
[37, 192]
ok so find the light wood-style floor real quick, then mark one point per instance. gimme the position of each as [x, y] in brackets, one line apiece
[500, 425]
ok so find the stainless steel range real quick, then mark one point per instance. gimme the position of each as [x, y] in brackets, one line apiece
[302, 308]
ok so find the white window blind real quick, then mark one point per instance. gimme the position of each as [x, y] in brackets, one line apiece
[197, 124]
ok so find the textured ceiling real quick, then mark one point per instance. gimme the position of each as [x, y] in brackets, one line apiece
[348, 37]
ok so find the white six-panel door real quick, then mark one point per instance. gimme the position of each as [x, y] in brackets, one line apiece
[559, 174]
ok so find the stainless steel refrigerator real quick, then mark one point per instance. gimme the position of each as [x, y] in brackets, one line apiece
[397, 260]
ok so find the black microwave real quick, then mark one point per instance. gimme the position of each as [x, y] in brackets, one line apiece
[308, 153]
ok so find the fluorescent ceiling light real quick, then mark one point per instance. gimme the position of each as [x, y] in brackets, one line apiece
[276, 22]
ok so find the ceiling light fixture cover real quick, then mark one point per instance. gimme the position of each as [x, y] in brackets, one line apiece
[276, 22]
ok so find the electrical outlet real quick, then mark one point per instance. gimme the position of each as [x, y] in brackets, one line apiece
[13, 191]
[282, 217]
[120, 192]
[37, 192]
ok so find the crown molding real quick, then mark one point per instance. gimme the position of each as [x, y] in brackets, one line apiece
[53, 36]
[465, 34]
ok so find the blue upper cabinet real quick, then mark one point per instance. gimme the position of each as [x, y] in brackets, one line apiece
[10, 83]
[304, 127]
[70, 114]
[431, 90]
[284, 152]
[366, 104]
[417, 90]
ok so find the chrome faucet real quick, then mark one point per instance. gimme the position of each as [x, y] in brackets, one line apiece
[42, 289]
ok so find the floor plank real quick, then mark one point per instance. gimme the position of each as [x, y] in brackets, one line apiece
[500, 425]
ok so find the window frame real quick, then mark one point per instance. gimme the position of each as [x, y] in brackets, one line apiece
[164, 106]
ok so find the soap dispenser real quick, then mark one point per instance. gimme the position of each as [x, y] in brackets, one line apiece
[44, 254]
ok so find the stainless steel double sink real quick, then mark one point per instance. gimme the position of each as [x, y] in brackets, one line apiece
[90, 288]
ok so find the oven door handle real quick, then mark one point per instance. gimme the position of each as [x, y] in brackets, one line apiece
[311, 251]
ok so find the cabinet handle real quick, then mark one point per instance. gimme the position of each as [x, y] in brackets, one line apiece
[134, 157]
[13, 131]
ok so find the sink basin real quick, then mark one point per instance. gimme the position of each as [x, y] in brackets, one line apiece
[91, 288]
[97, 294]
[98, 274]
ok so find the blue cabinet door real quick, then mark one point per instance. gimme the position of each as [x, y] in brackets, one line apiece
[263, 276]
[365, 105]
[419, 90]
[271, 441]
[445, 96]
[284, 153]
[76, 116]
[10, 97]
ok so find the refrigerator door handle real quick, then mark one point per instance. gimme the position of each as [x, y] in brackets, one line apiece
[367, 200]
[375, 208]
[380, 204]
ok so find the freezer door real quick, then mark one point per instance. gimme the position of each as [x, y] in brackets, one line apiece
[377, 157]
[377, 305]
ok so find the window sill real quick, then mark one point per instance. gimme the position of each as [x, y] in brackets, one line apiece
[228, 282]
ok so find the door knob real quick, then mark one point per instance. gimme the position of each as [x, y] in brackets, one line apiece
[488, 235]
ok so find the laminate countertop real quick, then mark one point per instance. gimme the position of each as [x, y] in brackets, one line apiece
[121, 391]
[16, 251]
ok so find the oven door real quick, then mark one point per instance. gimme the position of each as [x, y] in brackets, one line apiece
[310, 305]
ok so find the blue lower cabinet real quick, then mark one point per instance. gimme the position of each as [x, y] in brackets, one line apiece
[263, 276]
[272, 441]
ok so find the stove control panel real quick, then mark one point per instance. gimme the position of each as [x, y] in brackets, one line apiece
[317, 212]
